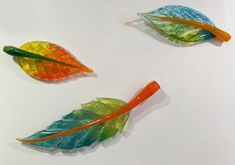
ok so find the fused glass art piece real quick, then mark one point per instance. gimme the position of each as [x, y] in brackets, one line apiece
[183, 25]
[46, 61]
[96, 121]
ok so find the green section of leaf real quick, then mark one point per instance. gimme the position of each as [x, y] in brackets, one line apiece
[104, 106]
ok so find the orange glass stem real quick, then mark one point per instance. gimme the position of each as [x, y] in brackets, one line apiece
[220, 34]
[148, 91]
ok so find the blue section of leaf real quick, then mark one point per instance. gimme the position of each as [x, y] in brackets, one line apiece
[90, 112]
[178, 32]
[74, 119]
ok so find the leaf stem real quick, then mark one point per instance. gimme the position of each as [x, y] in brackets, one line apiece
[13, 51]
[220, 34]
[148, 91]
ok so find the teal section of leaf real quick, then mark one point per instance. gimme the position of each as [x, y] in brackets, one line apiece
[178, 32]
[89, 112]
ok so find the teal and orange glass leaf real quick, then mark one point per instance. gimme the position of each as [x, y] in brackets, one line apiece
[183, 25]
[96, 121]
[46, 61]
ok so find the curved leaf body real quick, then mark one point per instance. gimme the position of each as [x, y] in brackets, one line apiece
[48, 70]
[89, 112]
[179, 32]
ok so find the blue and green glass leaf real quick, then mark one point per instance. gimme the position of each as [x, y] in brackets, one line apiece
[178, 32]
[88, 113]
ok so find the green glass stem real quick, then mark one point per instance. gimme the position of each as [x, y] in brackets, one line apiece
[14, 51]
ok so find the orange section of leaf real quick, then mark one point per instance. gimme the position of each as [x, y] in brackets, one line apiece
[46, 70]
[220, 34]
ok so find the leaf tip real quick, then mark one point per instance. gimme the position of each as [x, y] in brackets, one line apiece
[142, 15]
[89, 70]
[20, 140]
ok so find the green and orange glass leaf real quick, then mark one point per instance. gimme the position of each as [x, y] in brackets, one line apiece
[46, 61]
[96, 121]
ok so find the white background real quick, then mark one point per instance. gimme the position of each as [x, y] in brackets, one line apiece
[190, 121]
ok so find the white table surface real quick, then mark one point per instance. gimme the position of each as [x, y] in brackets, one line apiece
[191, 121]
